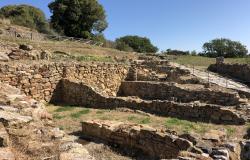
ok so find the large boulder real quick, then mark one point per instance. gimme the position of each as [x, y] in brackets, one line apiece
[26, 47]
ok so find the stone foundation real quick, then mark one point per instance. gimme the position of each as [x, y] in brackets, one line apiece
[80, 94]
[179, 92]
[239, 71]
[155, 71]
[148, 140]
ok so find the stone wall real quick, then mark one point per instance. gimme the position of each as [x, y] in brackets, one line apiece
[161, 70]
[80, 94]
[28, 133]
[40, 79]
[178, 92]
[239, 71]
[137, 137]
[22, 33]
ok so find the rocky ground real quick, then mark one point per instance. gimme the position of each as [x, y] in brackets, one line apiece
[69, 119]
[27, 132]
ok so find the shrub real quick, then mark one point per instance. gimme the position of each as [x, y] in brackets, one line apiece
[135, 43]
[27, 16]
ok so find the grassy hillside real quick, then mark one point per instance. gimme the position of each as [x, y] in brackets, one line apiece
[72, 48]
[204, 62]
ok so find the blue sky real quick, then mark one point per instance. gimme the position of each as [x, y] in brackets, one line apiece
[176, 24]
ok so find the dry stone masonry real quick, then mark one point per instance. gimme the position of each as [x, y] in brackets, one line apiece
[160, 144]
[146, 139]
[180, 92]
[78, 93]
[39, 80]
[102, 85]
[27, 132]
[238, 71]
[154, 86]
[23, 52]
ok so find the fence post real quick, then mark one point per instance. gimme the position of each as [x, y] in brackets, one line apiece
[31, 36]
[15, 34]
[193, 69]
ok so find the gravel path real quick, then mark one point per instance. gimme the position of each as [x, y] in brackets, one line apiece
[213, 78]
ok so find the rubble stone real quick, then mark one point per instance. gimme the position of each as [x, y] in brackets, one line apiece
[155, 144]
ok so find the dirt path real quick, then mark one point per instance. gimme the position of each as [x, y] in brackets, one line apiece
[213, 78]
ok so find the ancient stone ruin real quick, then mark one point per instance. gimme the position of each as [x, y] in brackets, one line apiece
[237, 71]
[27, 132]
[151, 86]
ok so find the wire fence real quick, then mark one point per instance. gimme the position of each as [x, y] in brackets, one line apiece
[43, 37]
[224, 81]
[214, 78]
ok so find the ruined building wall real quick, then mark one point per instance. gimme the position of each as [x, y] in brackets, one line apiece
[155, 71]
[177, 92]
[239, 71]
[39, 80]
[155, 144]
[80, 94]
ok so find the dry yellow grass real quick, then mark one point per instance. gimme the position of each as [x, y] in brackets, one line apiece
[70, 47]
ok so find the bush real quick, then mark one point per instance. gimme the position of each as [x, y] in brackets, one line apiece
[27, 16]
[135, 43]
[122, 46]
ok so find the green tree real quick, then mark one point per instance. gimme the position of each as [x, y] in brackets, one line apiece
[78, 18]
[135, 43]
[224, 47]
[176, 52]
[27, 16]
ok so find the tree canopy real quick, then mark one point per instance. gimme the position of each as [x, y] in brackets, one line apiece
[78, 18]
[136, 44]
[224, 47]
[27, 16]
[176, 52]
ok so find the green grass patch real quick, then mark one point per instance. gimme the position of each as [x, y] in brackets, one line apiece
[58, 116]
[80, 113]
[230, 131]
[64, 109]
[88, 58]
[132, 118]
[184, 125]
[145, 121]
